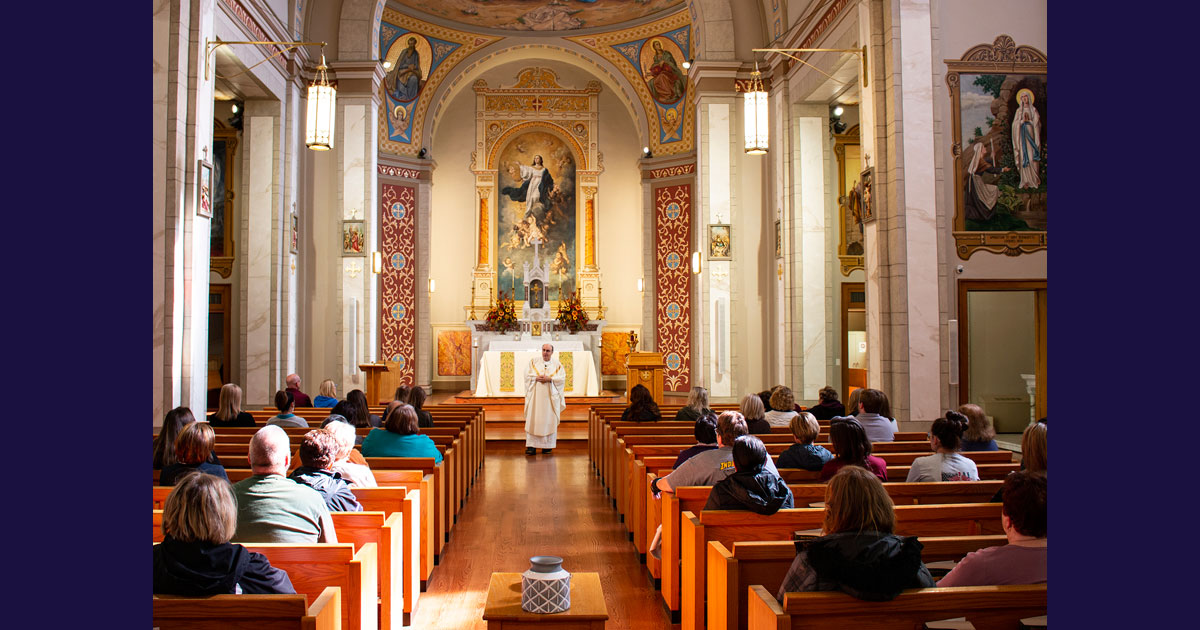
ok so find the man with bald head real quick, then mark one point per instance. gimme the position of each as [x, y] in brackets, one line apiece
[271, 507]
[293, 386]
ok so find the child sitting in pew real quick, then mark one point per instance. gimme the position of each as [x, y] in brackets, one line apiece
[752, 487]
[858, 553]
[1023, 559]
[196, 558]
[804, 454]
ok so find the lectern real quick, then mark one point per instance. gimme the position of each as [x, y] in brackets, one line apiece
[645, 368]
[373, 372]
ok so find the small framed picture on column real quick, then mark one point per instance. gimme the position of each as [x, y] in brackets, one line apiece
[204, 205]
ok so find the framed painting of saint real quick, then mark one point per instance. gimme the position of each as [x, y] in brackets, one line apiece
[998, 109]
[720, 247]
[204, 205]
[353, 239]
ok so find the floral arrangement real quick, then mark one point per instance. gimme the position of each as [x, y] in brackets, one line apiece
[571, 314]
[502, 317]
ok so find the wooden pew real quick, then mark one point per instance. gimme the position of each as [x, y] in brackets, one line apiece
[427, 466]
[986, 607]
[314, 567]
[397, 576]
[411, 485]
[766, 563]
[249, 612]
[727, 526]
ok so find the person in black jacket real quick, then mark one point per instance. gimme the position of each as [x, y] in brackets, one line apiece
[753, 486]
[829, 406]
[318, 451]
[229, 409]
[196, 558]
[858, 553]
[416, 398]
[696, 407]
[642, 407]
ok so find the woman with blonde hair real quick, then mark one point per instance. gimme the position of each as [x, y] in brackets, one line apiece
[858, 553]
[195, 557]
[229, 409]
[193, 447]
[327, 396]
[782, 407]
[979, 436]
[755, 414]
[696, 407]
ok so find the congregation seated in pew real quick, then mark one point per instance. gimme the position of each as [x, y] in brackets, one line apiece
[164, 442]
[874, 413]
[696, 406]
[195, 557]
[755, 414]
[318, 449]
[642, 407]
[946, 463]
[828, 405]
[857, 554]
[709, 467]
[193, 447]
[705, 431]
[273, 508]
[229, 409]
[804, 454]
[286, 405]
[359, 412]
[980, 434]
[1023, 559]
[358, 473]
[327, 394]
[400, 437]
[416, 398]
[752, 486]
[782, 406]
[851, 448]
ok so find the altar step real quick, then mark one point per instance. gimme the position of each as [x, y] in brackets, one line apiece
[505, 415]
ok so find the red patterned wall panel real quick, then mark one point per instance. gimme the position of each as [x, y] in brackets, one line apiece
[673, 310]
[398, 334]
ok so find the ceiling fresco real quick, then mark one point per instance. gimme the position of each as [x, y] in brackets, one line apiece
[540, 15]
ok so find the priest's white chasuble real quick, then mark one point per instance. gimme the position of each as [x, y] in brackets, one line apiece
[544, 402]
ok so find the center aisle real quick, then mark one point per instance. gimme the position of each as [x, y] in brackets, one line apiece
[522, 506]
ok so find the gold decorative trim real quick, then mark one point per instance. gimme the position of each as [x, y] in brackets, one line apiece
[507, 372]
[567, 360]
[222, 265]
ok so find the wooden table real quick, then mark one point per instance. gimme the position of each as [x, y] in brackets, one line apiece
[503, 608]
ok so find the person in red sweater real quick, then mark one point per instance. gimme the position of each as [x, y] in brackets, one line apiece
[293, 386]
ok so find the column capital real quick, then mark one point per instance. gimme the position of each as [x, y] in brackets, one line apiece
[356, 77]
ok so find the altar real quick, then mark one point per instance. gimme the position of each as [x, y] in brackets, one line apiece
[502, 372]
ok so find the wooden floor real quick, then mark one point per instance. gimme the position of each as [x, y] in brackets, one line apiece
[543, 505]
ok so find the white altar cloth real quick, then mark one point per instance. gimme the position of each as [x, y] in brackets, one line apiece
[584, 380]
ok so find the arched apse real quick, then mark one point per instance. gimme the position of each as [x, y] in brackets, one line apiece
[534, 50]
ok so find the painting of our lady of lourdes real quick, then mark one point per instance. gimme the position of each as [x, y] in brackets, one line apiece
[1003, 119]
[536, 202]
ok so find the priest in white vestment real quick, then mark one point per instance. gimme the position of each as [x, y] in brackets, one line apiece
[544, 402]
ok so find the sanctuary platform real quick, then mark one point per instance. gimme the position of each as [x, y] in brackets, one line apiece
[506, 414]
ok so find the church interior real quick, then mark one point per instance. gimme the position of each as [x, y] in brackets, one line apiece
[734, 195]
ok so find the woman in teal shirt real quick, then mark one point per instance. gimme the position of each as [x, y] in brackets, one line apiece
[400, 437]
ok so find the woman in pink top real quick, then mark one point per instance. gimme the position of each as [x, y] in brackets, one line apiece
[851, 448]
[1023, 559]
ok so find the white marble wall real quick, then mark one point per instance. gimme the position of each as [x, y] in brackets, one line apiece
[811, 132]
[182, 137]
[356, 147]
[920, 224]
[779, 183]
[870, 31]
[716, 199]
[261, 186]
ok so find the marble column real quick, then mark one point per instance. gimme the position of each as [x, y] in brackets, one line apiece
[356, 146]
[903, 316]
[810, 131]
[779, 186]
[259, 264]
[183, 101]
[715, 186]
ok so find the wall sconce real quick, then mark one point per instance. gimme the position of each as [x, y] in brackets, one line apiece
[376, 262]
[432, 285]
[640, 285]
[646, 152]
[687, 65]
[322, 97]
[696, 262]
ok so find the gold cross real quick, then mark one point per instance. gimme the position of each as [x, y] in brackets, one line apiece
[353, 268]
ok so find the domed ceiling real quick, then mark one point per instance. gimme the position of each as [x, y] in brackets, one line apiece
[539, 15]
